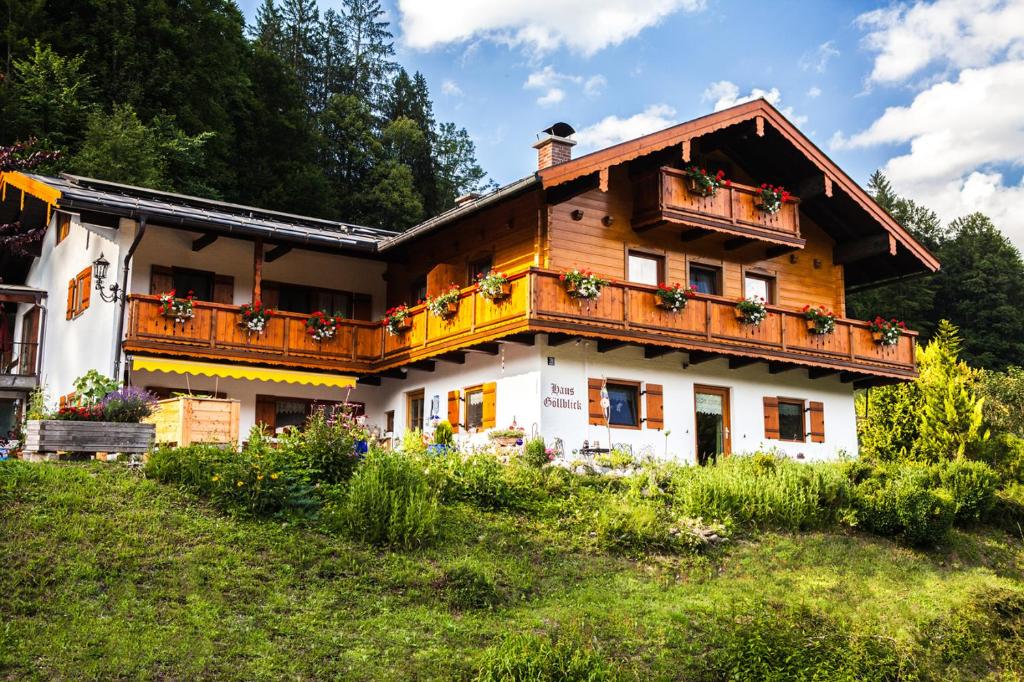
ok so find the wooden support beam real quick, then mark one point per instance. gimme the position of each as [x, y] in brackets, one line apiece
[456, 357]
[694, 234]
[394, 373]
[602, 179]
[369, 381]
[778, 250]
[738, 243]
[605, 345]
[736, 363]
[257, 270]
[651, 352]
[204, 241]
[486, 348]
[560, 339]
[523, 339]
[866, 247]
[423, 365]
[686, 151]
[779, 367]
[276, 252]
[819, 372]
[698, 356]
[759, 125]
[850, 377]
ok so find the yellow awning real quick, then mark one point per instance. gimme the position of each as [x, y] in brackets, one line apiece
[40, 190]
[212, 369]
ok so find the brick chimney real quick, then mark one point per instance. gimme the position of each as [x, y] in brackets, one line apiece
[554, 146]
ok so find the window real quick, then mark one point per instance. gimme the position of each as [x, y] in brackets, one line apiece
[643, 268]
[762, 286]
[791, 419]
[480, 268]
[63, 226]
[418, 290]
[389, 421]
[706, 279]
[79, 293]
[199, 282]
[415, 403]
[475, 407]
[622, 405]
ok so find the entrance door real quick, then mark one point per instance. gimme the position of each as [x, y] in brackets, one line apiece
[712, 423]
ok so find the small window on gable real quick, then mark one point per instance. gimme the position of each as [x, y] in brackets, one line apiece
[645, 268]
[475, 407]
[623, 404]
[418, 290]
[63, 226]
[791, 420]
[706, 279]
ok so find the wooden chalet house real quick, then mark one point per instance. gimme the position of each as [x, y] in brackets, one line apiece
[618, 368]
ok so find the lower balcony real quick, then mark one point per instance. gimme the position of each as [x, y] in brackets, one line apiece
[625, 313]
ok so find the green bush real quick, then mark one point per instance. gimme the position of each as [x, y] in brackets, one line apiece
[443, 435]
[481, 480]
[388, 502]
[626, 524]
[327, 444]
[535, 452]
[1005, 454]
[972, 485]
[905, 506]
[193, 466]
[412, 443]
[769, 492]
[615, 459]
[470, 585]
[1008, 509]
[530, 658]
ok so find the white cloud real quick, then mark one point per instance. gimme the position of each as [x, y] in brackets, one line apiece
[818, 60]
[958, 34]
[552, 96]
[451, 88]
[726, 94]
[594, 85]
[814, 92]
[612, 129]
[539, 26]
[554, 82]
[960, 134]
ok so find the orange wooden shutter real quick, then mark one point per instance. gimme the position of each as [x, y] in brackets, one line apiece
[160, 280]
[817, 422]
[84, 281]
[594, 401]
[453, 409]
[70, 312]
[490, 405]
[771, 418]
[655, 406]
[223, 289]
[266, 411]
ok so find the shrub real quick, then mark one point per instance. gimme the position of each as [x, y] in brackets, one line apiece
[443, 435]
[905, 506]
[481, 480]
[616, 459]
[522, 658]
[972, 485]
[1008, 509]
[128, 405]
[535, 453]
[469, 585]
[629, 525]
[388, 502]
[412, 442]
[329, 444]
[192, 466]
[766, 492]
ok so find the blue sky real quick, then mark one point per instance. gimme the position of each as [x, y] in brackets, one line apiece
[950, 74]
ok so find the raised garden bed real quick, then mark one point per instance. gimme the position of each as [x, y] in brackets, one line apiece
[45, 438]
[185, 420]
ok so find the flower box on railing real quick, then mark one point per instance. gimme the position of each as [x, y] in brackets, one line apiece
[50, 436]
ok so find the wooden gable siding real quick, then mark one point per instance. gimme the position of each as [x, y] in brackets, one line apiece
[589, 243]
[506, 232]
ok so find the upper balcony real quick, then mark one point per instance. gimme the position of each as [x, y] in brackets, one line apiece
[665, 198]
[625, 313]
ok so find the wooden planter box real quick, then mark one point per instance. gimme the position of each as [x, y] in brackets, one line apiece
[56, 435]
[504, 292]
[185, 420]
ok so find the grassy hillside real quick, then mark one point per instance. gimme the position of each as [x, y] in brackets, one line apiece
[107, 575]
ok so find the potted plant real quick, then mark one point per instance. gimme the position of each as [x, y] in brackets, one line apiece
[674, 297]
[178, 309]
[511, 436]
[321, 326]
[887, 332]
[494, 286]
[396, 320]
[699, 182]
[751, 310]
[445, 304]
[254, 317]
[820, 320]
[583, 284]
[770, 198]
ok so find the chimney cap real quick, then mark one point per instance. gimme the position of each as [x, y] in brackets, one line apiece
[467, 198]
[560, 129]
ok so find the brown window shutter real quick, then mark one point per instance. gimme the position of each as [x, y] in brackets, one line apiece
[490, 405]
[655, 406]
[160, 280]
[84, 281]
[594, 401]
[453, 409]
[771, 418]
[362, 307]
[266, 411]
[817, 422]
[223, 289]
[70, 312]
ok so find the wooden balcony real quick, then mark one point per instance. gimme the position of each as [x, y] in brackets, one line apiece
[664, 198]
[624, 313]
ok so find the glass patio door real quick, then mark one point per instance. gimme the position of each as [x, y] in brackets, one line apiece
[712, 430]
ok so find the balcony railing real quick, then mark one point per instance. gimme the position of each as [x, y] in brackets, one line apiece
[19, 358]
[664, 197]
[537, 303]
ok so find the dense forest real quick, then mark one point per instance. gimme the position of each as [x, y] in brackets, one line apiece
[303, 111]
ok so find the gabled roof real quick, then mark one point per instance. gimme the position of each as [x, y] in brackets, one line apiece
[763, 114]
[75, 193]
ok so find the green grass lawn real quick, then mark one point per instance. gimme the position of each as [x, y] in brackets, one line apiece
[106, 575]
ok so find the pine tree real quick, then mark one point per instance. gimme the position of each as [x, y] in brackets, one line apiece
[302, 43]
[457, 169]
[268, 32]
[371, 51]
